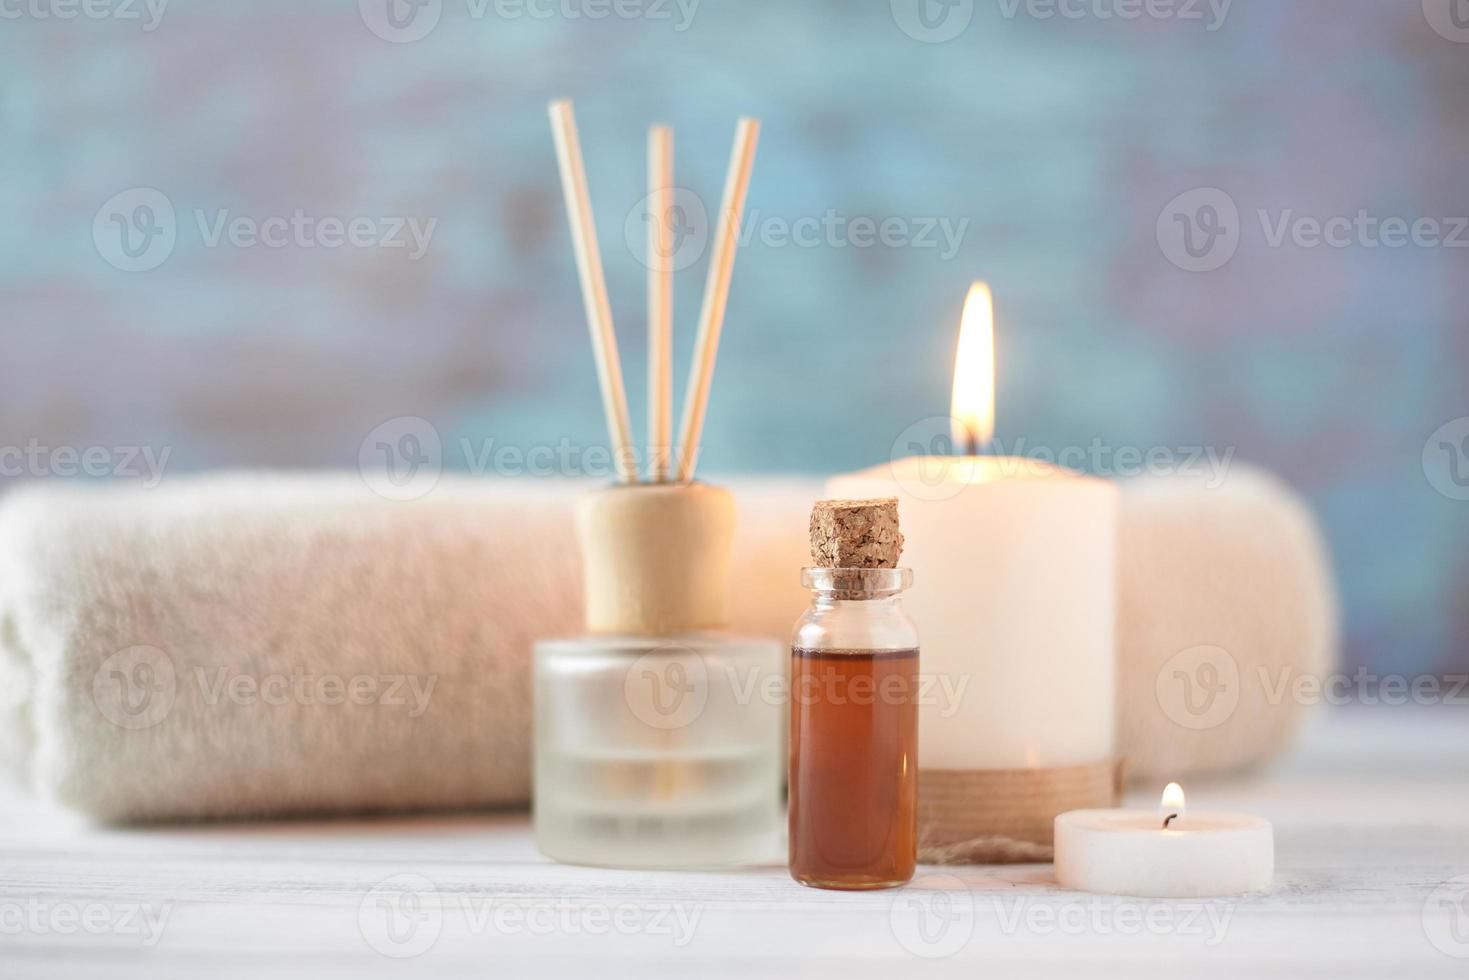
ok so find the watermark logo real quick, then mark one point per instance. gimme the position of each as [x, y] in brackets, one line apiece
[667, 688]
[927, 464]
[1362, 687]
[1199, 688]
[685, 231]
[401, 916]
[933, 917]
[1449, 18]
[682, 227]
[143, 463]
[406, 915]
[36, 917]
[679, 12]
[135, 230]
[1099, 916]
[1446, 459]
[1199, 230]
[404, 21]
[149, 12]
[925, 461]
[1446, 917]
[401, 21]
[401, 459]
[932, 21]
[1211, 13]
[304, 688]
[135, 688]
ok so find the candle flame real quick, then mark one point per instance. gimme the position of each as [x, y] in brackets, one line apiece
[1172, 802]
[973, 411]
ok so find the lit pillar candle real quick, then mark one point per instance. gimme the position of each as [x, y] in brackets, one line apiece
[1014, 596]
[1168, 854]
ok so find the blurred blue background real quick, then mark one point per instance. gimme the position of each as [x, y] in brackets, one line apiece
[1055, 142]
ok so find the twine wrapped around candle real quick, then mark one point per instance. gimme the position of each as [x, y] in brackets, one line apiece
[1006, 816]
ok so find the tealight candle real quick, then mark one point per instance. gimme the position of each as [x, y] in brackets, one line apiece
[1168, 854]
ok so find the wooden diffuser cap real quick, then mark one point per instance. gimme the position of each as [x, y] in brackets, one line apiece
[656, 557]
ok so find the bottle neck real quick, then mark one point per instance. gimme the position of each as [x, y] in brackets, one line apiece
[856, 609]
[857, 584]
[873, 602]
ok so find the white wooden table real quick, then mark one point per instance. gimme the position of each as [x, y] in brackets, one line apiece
[1371, 814]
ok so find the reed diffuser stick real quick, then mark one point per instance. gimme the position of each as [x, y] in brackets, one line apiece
[716, 295]
[593, 286]
[661, 246]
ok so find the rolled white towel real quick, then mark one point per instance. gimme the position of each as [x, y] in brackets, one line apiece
[263, 644]
[1226, 601]
[255, 645]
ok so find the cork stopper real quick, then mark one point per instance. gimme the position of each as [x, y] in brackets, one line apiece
[856, 533]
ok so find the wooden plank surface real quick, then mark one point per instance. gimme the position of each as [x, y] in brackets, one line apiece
[1371, 813]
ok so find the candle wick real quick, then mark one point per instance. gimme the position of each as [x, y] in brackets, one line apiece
[971, 441]
[1169, 819]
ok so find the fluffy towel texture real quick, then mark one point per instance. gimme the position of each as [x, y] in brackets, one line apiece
[1226, 594]
[254, 645]
[133, 612]
[262, 645]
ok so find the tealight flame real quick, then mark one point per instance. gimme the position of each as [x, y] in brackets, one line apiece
[1171, 807]
[973, 407]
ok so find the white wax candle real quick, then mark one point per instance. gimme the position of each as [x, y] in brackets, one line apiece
[1014, 579]
[1132, 852]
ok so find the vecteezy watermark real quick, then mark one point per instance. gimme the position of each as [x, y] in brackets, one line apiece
[148, 13]
[1201, 230]
[1362, 686]
[686, 223]
[135, 688]
[138, 688]
[403, 458]
[38, 917]
[927, 464]
[1446, 917]
[667, 688]
[1446, 459]
[1201, 687]
[932, 21]
[401, 916]
[137, 230]
[405, 21]
[937, 21]
[1449, 18]
[404, 916]
[306, 688]
[933, 917]
[670, 687]
[144, 463]
[1095, 915]
[937, 916]
[1210, 13]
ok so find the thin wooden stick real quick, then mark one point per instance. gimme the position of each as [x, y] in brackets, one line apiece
[593, 286]
[716, 295]
[660, 301]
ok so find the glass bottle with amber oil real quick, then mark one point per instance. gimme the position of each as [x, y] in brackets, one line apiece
[854, 713]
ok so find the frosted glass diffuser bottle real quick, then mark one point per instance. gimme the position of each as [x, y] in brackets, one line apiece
[658, 736]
